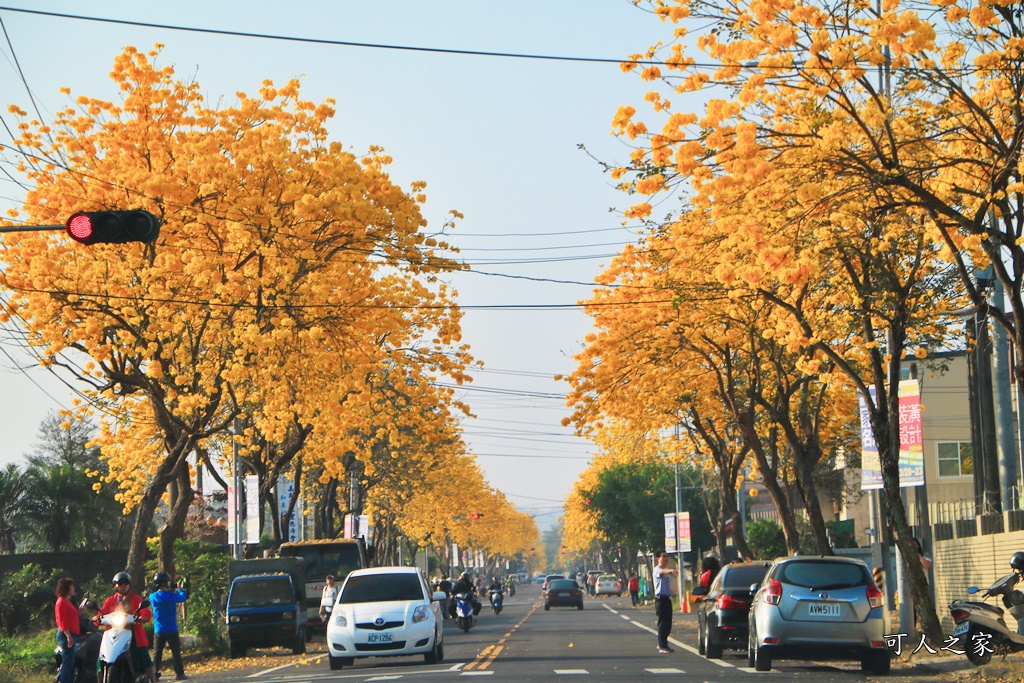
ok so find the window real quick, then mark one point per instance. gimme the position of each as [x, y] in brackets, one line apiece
[956, 459]
[381, 588]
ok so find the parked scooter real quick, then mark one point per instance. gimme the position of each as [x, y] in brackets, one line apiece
[87, 651]
[464, 611]
[115, 648]
[497, 599]
[981, 626]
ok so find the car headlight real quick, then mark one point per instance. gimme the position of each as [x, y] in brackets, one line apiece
[340, 620]
[420, 614]
[234, 619]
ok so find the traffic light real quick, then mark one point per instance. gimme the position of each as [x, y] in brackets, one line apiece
[113, 227]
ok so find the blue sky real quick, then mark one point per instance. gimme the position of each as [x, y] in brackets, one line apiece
[495, 138]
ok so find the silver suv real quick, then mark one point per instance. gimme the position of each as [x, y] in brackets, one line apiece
[818, 608]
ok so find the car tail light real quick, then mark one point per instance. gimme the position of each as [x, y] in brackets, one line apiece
[959, 614]
[874, 596]
[772, 592]
[729, 602]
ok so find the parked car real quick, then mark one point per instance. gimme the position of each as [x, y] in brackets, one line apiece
[608, 584]
[549, 579]
[385, 612]
[724, 606]
[563, 593]
[818, 608]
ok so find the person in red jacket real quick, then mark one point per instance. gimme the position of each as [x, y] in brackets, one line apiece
[68, 629]
[124, 600]
[634, 588]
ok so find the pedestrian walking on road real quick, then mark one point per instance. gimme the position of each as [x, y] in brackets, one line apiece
[663, 600]
[634, 588]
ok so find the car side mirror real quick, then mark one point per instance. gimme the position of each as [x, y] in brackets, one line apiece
[754, 587]
[438, 596]
[699, 590]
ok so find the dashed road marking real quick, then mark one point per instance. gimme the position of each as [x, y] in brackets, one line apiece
[571, 672]
[675, 642]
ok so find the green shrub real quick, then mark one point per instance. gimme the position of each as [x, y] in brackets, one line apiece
[205, 566]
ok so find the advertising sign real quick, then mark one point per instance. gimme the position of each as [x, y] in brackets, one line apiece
[670, 532]
[911, 464]
[252, 509]
[683, 533]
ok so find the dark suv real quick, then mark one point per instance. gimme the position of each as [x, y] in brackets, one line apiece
[722, 611]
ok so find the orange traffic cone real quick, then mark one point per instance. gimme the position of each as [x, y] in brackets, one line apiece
[686, 602]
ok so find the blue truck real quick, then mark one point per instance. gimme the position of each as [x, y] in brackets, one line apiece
[267, 605]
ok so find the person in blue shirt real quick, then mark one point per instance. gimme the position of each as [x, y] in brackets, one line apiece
[164, 601]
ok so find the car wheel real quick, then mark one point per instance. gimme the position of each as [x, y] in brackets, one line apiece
[236, 650]
[700, 639]
[336, 662]
[711, 650]
[433, 657]
[876, 663]
[763, 659]
[580, 606]
[750, 654]
[547, 608]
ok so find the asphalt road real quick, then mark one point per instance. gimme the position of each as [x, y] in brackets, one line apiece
[608, 641]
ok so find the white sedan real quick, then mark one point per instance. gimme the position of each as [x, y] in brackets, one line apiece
[385, 612]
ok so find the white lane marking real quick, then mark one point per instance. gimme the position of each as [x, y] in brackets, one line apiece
[286, 666]
[384, 678]
[457, 666]
[626, 617]
[686, 647]
[609, 608]
[665, 671]
[476, 673]
[571, 672]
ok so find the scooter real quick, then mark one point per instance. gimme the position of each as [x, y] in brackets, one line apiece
[464, 612]
[511, 588]
[115, 648]
[497, 600]
[982, 627]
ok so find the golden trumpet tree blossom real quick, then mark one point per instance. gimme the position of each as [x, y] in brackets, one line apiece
[281, 254]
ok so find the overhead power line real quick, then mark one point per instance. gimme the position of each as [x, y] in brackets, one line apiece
[329, 41]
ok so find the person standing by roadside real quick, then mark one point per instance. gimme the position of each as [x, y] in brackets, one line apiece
[165, 600]
[68, 628]
[633, 585]
[445, 586]
[328, 598]
[663, 600]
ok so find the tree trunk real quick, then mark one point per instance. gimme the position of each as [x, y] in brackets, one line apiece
[175, 527]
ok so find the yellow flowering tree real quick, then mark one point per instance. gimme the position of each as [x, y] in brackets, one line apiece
[280, 252]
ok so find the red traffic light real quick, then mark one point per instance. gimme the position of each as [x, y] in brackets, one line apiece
[113, 227]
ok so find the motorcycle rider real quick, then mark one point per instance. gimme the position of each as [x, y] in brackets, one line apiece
[466, 585]
[124, 600]
[495, 586]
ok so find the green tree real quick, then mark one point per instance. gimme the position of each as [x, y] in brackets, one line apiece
[12, 507]
[766, 539]
[630, 502]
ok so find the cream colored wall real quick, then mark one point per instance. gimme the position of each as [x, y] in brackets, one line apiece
[945, 417]
[974, 561]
